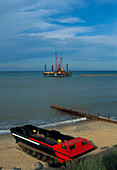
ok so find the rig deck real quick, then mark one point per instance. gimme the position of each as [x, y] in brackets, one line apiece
[57, 74]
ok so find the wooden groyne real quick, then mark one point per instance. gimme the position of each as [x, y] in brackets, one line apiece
[98, 75]
[81, 114]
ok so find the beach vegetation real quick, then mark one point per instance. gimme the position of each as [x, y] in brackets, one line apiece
[103, 161]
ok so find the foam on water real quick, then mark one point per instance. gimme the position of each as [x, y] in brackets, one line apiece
[51, 124]
[64, 122]
[2, 132]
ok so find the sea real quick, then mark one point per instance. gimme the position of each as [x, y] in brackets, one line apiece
[25, 97]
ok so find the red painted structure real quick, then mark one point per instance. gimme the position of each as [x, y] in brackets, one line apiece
[58, 66]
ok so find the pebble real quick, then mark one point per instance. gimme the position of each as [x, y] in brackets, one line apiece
[37, 166]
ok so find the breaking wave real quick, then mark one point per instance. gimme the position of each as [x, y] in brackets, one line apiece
[64, 122]
[51, 124]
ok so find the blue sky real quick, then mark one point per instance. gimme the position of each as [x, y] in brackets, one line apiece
[83, 32]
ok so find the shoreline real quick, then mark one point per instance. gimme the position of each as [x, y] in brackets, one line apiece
[66, 122]
[102, 134]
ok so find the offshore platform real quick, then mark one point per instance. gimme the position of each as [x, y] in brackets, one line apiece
[60, 72]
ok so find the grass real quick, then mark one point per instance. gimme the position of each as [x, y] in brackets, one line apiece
[105, 161]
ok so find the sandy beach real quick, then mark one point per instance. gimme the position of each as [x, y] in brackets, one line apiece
[102, 134]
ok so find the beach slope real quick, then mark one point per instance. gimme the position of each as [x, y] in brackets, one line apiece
[102, 134]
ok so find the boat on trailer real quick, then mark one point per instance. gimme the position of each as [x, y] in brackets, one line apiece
[50, 145]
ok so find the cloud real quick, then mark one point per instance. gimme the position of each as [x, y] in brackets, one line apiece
[63, 32]
[62, 5]
[11, 6]
[38, 13]
[23, 15]
[100, 39]
[106, 1]
[69, 20]
[34, 52]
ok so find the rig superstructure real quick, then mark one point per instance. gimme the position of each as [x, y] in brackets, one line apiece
[60, 72]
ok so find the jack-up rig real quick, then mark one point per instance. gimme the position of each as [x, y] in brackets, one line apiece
[59, 69]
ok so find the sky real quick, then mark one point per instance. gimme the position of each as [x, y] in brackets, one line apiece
[82, 32]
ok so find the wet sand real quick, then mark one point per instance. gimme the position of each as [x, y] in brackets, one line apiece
[102, 134]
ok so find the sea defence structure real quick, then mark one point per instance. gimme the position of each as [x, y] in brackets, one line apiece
[98, 75]
[81, 114]
[60, 72]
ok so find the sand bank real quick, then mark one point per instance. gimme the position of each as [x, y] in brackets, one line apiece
[102, 134]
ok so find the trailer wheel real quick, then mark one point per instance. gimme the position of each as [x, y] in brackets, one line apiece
[23, 148]
[28, 151]
[33, 153]
[51, 162]
[56, 161]
[39, 156]
[44, 158]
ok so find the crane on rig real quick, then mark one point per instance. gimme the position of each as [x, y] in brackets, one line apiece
[59, 72]
[58, 66]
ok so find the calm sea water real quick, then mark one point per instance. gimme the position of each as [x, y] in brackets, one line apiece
[25, 97]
